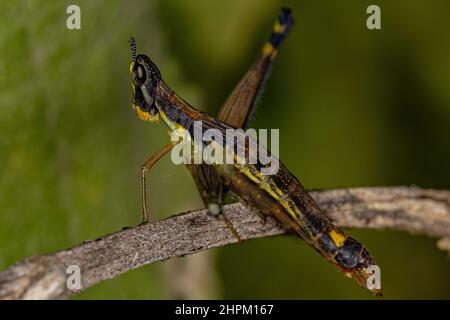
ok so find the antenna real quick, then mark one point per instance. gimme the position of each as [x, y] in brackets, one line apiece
[133, 49]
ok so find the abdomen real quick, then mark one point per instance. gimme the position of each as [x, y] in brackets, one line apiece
[284, 198]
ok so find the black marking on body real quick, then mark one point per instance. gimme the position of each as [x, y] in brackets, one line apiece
[172, 112]
[285, 20]
[349, 254]
[327, 244]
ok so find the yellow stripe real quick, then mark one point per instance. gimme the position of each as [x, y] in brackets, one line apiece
[246, 171]
[338, 238]
[142, 114]
[273, 190]
[268, 49]
[279, 28]
[131, 67]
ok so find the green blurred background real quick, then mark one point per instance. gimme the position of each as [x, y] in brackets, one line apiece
[355, 107]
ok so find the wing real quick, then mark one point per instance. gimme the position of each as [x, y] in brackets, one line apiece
[240, 106]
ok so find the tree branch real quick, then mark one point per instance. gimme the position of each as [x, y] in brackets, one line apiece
[411, 209]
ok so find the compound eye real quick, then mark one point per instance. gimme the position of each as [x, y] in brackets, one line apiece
[139, 75]
[140, 72]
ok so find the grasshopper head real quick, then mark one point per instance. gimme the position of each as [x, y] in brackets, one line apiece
[145, 78]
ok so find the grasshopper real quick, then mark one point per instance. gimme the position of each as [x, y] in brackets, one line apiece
[280, 195]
